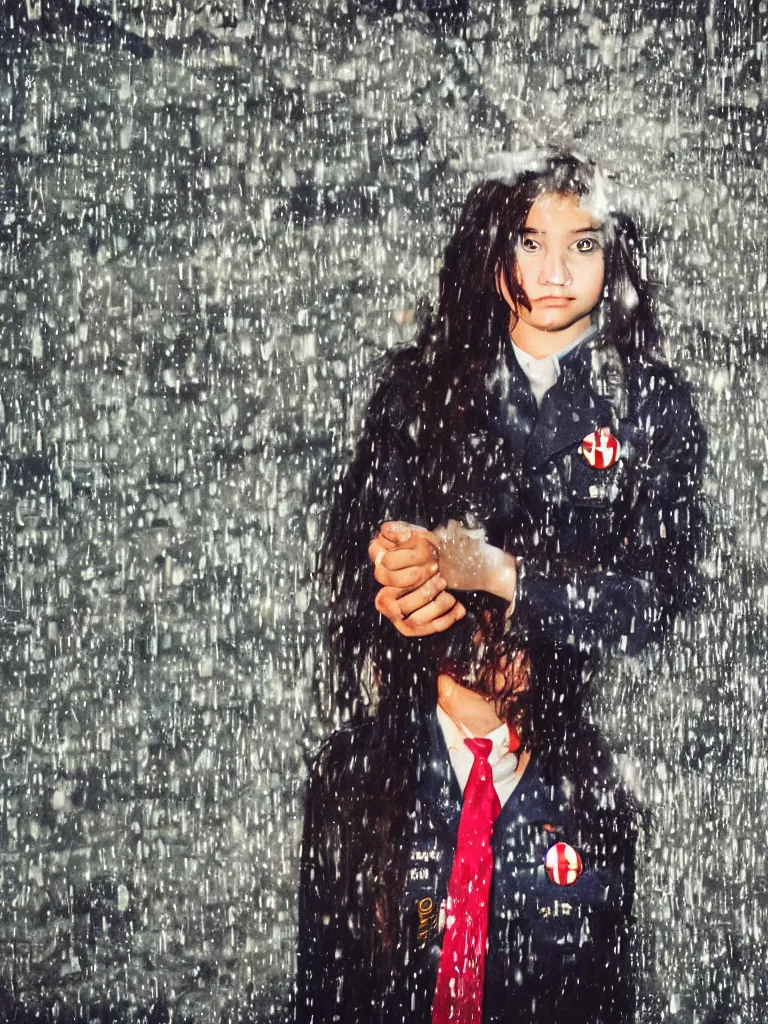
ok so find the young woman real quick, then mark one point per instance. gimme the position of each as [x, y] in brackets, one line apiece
[548, 468]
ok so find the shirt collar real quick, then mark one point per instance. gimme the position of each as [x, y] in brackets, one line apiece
[542, 373]
[455, 736]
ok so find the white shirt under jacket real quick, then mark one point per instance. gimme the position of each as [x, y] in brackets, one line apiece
[507, 767]
[542, 373]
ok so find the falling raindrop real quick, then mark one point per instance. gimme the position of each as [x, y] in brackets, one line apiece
[214, 219]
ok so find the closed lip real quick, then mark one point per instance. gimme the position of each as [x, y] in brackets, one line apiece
[555, 300]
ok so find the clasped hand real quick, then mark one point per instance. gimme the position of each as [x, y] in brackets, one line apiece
[418, 568]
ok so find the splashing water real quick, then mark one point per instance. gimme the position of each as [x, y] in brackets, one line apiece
[203, 250]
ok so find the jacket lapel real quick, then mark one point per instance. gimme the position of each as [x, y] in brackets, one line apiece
[512, 408]
[438, 788]
[570, 410]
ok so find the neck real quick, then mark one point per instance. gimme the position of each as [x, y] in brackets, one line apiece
[467, 707]
[540, 344]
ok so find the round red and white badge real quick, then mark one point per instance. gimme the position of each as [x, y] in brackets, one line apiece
[600, 448]
[563, 864]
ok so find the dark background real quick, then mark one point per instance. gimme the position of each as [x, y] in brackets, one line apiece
[213, 219]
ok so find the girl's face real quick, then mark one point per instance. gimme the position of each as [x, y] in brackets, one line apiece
[560, 266]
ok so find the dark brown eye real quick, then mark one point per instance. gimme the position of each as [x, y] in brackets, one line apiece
[587, 245]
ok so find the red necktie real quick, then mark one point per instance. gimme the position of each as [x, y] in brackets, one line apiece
[461, 971]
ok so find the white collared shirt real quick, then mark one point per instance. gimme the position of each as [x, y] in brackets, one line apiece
[542, 373]
[507, 767]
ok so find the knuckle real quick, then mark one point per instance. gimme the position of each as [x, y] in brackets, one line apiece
[384, 602]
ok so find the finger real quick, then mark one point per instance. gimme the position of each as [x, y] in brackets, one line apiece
[435, 609]
[396, 531]
[407, 535]
[386, 603]
[403, 558]
[439, 625]
[423, 596]
[378, 548]
[404, 579]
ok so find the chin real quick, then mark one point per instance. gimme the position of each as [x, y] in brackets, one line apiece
[553, 328]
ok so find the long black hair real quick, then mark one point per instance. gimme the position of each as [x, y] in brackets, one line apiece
[414, 440]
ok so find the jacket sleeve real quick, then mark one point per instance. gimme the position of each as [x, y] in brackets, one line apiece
[653, 573]
[320, 902]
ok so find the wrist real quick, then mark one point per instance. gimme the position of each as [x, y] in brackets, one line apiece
[503, 581]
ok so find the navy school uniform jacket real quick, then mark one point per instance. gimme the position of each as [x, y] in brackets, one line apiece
[552, 949]
[609, 555]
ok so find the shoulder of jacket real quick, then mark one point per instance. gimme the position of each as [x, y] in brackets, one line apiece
[655, 384]
[653, 373]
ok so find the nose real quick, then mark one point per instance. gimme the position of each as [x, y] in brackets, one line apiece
[554, 269]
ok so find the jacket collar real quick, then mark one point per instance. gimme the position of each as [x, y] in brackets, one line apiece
[569, 411]
[440, 793]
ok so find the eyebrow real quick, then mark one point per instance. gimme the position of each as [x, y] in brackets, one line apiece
[577, 231]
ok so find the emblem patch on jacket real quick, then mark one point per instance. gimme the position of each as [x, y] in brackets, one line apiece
[431, 919]
[600, 449]
[563, 864]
